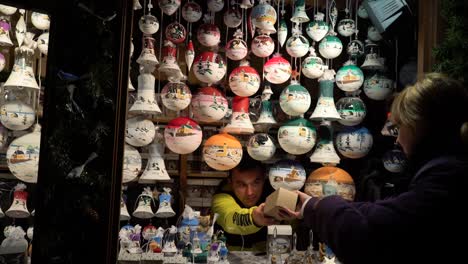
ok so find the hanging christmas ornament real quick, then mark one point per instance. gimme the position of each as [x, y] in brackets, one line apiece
[19, 206]
[389, 129]
[263, 16]
[209, 67]
[137, 5]
[362, 12]
[124, 215]
[23, 156]
[169, 6]
[244, 80]
[326, 181]
[246, 4]
[324, 152]
[8, 10]
[176, 96]
[354, 142]
[349, 78]
[282, 32]
[373, 34]
[168, 64]
[351, 109]
[191, 12]
[312, 66]
[277, 70]
[165, 209]
[330, 47]
[262, 46]
[176, 32]
[295, 99]
[222, 152]
[346, 27]
[2, 62]
[233, 17]
[16, 115]
[148, 24]
[297, 45]
[394, 161]
[189, 55]
[22, 74]
[208, 34]
[43, 43]
[236, 48]
[147, 57]
[20, 29]
[215, 5]
[325, 108]
[209, 105]
[318, 28]
[300, 15]
[288, 174]
[5, 26]
[183, 135]
[266, 118]
[139, 131]
[144, 210]
[131, 164]
[3, 136]
[355, 48]
[240, 120]
[149, 232]
[145, 102]
[297, 136]
[378, 86]
[261, 147]
[155, 168]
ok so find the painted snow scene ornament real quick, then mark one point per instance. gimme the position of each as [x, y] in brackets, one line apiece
[176, 33]
[312, 66]
[394, 161]
[176, 96]
[317, 29]
[244, 80]
[233, 17]
[192, 12]
[277, 69]
[378, 87]
[346, 27]
[297, 45]
[222, 152]
[330, 47]
[16, 115]
[297, 136]
[350, 77]
[183, 135]
[326, 181]
[169, 6]
[261, 147]
[236, 48]
[40, 21]
[148, 24]
[209, 105]
[355, 48]
[295, 99]
[23, 156]
[288, 174]
[263, 16]
[208, 34]
[354, 142]
[373, 34]
[262, 46]
[209, 67]
[215, 5]
[140, 131]
[43, 43]
[352, 110]
[131, 164]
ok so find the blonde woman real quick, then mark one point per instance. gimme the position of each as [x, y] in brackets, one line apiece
[420, 225]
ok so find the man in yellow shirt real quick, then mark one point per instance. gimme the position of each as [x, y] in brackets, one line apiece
[239, 204]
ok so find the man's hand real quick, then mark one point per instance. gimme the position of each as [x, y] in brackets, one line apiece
[287, 214]
[260, 219]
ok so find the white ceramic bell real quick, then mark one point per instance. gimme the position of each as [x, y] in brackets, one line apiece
[297, 45]
[346, 27]
[263, 16]
[155, 168]
[240, 120]
[209, 67]
[146, 102]
[277, 70]
[189, 55]
[351, 109]
[236, 48]
[169, 6]
[20, 30]
[16, 115]
[318, 28]
[325, 108]
[7, 10]
[137, 5]
[262, 46]
[23, 156]
[354, 142]
[139, 131]
[288, 174]
[168, 64]
[349, 78]
[324, 152]
[232, 17]
[165, 210]
[215, 5]
[312, 66]
[144, 210]
[266, 115]
[5, 26]
[282, 32]
[295, 99]
[22, 74]
[176, 32]
[191, 12]
[147, 56]
[148, 24]
[246, 4]
[297, 136]
[222, 152]
[261, 147]
[209, 105]
[330, 47]
[300, 15]
[131, 164]
[124, 215]
[43, 43]
[244, 80]
[372, 62]
[378, 86]
[183, 135]
[176, 96]
[19, 207]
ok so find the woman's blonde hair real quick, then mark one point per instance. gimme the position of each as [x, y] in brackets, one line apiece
[436, 104]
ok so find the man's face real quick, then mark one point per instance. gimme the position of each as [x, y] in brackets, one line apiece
[247, 186]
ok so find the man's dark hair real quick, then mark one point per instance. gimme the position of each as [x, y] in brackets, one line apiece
[247, 163]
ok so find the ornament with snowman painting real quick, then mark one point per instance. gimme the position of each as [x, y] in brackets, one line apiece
[277, 69]
[209, 67]
[23, 156]
[350, 77]
[288, 174]
[330, 47]
[233, 17]
[236, 48]
[209, 105]
[317, 29]
[330, 180]
[394, 160]
[297, 136]
[261, 147]
[176, 96]
[295, 99]
[131, 164]
[208, 34]
[183, 135]
[191, 12]
[262, 46]
[354, 142]
[378, 86]
[297, 45]
[222, 152]
[244, 80]
[312, 66]
[351, 109]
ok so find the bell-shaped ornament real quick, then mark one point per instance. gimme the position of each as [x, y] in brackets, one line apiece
[324, 152]
[297, 45]
[277, 69]
[144, 210]
[240, 120]
[189, 55]
[297, 136]
[208, 34]
[20, 30]
[183, 135]
[318, 28]
[19, 207]
[168, 64]
[222, 152]
[325, 108]
[215, 5]
[354, 142]
[262, 46]
[246, 4]
[191, 12]
[137, 5]
[233, 17]
[330, 47]
[244, 80]
[282, 32]
[176, 96]
[131, 164]
[372, 62]
[351, 109]
[300, 15]
[8, 10]
[378, 86]
[327, 181]
[139, 131]
[349, 78]
[209, 105]
[266, 117]
[23, 156]
[130, 87]
[165, 209]
[261, 147]
[147, 56]
[295, 99]
[169, 248]
[22, 74]
[124, 215]
[169, 6]
[236, 48]
[312, 66]
[146, 102]
[148, 24]
[155, 168]
[263, 16]
[176, 33]
[346, 27]
[209, 67]
[5, 26]
[288, 174]
[17, 115]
